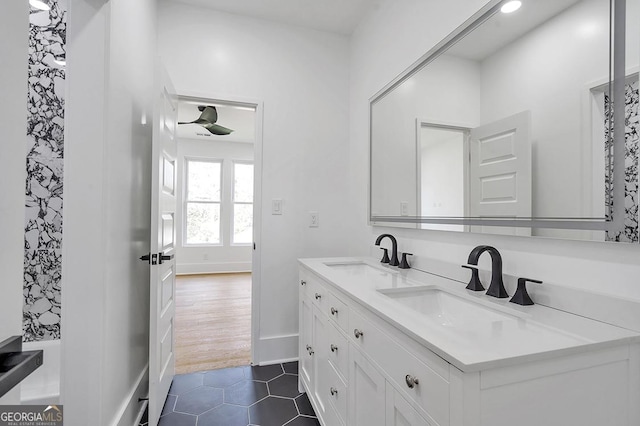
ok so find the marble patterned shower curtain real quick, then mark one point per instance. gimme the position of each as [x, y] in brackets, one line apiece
[630, 233]
[44, 162]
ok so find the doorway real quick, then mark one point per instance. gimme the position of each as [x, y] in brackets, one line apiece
[218, 167]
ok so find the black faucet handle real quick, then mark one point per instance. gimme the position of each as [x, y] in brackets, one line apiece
[521, 297]
[385, 255]
[474, 282]
[404, 264]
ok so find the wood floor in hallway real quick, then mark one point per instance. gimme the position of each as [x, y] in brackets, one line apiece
[213, 321]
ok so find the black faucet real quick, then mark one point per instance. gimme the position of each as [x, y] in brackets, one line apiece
[496, 288]
[394, 248]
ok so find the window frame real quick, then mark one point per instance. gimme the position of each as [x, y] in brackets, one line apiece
[234, 202]
[186, 201]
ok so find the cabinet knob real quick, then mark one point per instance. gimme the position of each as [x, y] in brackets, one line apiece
[333, 311]
[357, 333]
[411, 381]
[318, 296]
[309, 350]
[334, 391]
[334, 348]
[303, 282]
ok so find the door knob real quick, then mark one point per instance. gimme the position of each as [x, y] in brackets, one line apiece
[151, 259]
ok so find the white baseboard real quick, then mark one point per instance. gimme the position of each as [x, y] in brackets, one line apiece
[212, 268]
[276, 349]
[279, 361]
[130, 407]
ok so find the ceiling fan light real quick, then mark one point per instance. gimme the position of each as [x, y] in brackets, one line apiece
[40, 5]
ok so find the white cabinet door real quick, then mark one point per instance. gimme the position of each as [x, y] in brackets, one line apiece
[320, 359]
[306, 341]
[366, 392]
[400, 412]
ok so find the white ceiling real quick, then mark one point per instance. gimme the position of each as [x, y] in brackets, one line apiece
[338, 16]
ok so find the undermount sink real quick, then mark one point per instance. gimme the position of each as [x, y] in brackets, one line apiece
[475, 321]
[357, 268]
[370, 276]
[446, 309]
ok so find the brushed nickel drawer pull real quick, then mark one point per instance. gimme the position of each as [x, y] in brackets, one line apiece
[357, 333]
[334, 391]
[303, 282]
[334, 348]
[333, 311]
[411, 381]
[318, 296]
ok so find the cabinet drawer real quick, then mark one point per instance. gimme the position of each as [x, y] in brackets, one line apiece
[337, 393]
[338, 351]
[318, 293]
[337, 311]
[331, 417]
[305, 284]
[432, 391]
[331, 390]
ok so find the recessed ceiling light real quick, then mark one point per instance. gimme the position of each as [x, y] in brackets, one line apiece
[37, 4]
[510, 6]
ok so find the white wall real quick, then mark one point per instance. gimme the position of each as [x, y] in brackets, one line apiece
[302, 78]
[207, 259]
[385, 43]
[14, 36]
[107, 209]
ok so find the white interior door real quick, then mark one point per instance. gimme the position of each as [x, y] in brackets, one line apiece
[162, 259]
[500, 171]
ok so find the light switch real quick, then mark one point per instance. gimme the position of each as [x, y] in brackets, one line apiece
[314, 220]
[404, 208]
[276, 206]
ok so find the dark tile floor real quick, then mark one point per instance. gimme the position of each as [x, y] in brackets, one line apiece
[265, 396]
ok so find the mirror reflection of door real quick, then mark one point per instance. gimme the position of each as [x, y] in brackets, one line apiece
[480, 172]
[500, 172]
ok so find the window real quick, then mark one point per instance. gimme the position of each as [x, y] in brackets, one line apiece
[242, 203]
[202, 202]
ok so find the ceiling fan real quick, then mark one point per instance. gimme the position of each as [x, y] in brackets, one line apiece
[207, 119]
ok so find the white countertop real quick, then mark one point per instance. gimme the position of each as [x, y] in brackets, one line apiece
[531, 332]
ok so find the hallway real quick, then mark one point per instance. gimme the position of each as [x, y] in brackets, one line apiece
[213, 321]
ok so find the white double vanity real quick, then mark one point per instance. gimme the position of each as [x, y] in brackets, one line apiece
[382, 346]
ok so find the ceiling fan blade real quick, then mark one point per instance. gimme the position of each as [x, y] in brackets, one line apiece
[209, 114]
[216, 129]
